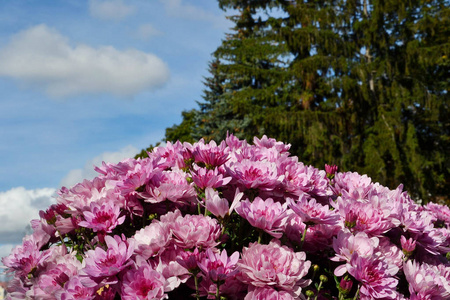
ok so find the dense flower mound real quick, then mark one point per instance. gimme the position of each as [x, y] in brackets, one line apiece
[232, 221]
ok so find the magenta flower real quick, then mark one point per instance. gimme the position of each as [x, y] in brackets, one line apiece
[26, 257]
[210, 155]
[266, 214]
[218, 266]
[105, 263]
[312, 212]
[143, 283]
[205, 178]
[331, 170]
[250, 174]
[193, 231]
[427, 281]
[375, 276]
[274, 265]
[408, 245]
[102, 218]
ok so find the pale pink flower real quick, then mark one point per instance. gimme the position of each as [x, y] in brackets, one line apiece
[299, 179]
[268, 293]
[271, 143]
[441, 212]
[312, 212]
[346, 244]
[427, 281]
[274, 265]
[75, 290]
[356, 185]
[169, 185]
[266, 214]
[152, 239]
[193, 231]
[143, 283]
[104, 263]
[375, 276]
[360, 216]
[218, 206]
[169, 156]
[102, 217]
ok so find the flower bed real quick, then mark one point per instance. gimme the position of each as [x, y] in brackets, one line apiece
[232, 221]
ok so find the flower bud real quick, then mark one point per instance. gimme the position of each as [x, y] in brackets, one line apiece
[408, 246]
[323, 278]
[345, 286]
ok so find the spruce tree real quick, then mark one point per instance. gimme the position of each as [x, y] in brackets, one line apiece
[361, 84]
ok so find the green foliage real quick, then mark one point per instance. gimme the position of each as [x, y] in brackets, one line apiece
[361, 84]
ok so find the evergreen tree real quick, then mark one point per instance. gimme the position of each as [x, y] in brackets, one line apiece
[362, 84]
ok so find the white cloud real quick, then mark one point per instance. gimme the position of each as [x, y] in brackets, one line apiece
[145, 31]
[18, 207]
[43, 58]
[88, 172]
[178, 9]
[114, 10]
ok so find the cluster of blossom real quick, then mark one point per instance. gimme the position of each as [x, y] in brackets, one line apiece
[232, 221]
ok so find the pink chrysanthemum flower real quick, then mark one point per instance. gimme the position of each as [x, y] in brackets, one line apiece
[274, 265]
[152, 239]
[26, 257]
[169, 185]
[205, 178]
[218, 266]
[102, 218]
[266, 214]
[301, 179]
[268, 293]
[220, 207]
[169, 156]
[363, 217]
[427, 281]
[375, 276]
[346, 244]
[441, 212]
[143, 283]
[355, 184]
[193, 231]
[75, 290]
[312, 212]
[271, 143]
[210, 155]
[102, 263]
[250, 174]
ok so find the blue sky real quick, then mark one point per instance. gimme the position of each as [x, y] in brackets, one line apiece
[86, 81]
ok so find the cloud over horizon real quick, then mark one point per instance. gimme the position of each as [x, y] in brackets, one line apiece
[42, 58]
[19, 207]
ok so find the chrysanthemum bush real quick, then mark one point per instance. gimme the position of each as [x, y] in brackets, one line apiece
[232, 221]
